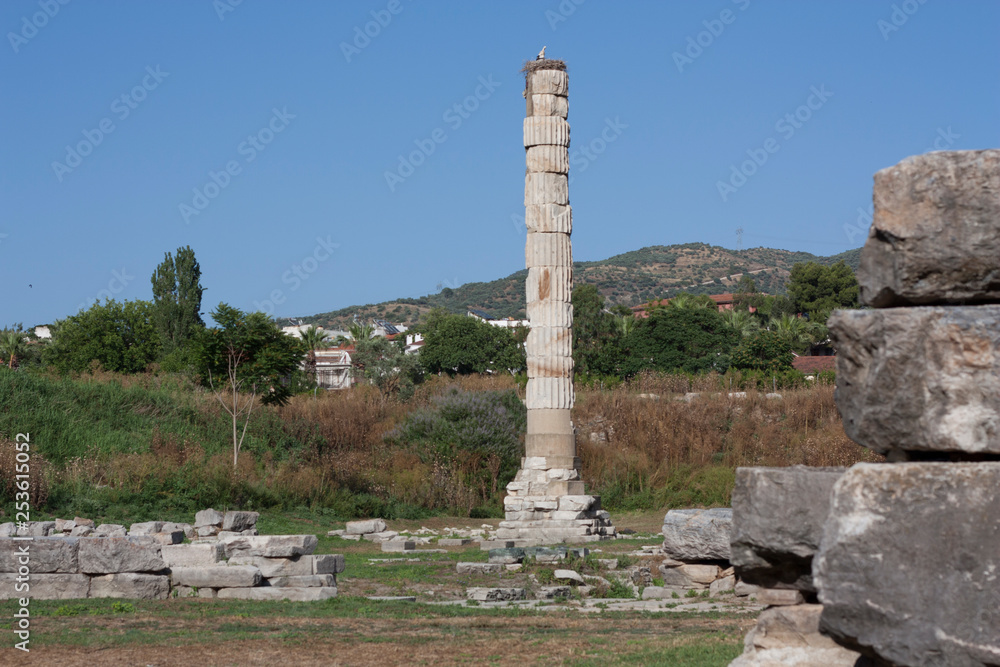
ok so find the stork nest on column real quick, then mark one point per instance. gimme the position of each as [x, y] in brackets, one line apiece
[534, 65]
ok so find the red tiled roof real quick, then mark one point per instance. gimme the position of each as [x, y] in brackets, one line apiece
[814, 364]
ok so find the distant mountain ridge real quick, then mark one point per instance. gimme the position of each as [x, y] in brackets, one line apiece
[628, 279]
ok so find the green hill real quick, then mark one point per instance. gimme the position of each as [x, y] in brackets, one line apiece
[628, 279]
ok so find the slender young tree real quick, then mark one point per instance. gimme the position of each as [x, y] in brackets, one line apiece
[314, 339]
[177, 294]
[13, 346]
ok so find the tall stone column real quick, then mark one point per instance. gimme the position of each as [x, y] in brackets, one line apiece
[546, 502]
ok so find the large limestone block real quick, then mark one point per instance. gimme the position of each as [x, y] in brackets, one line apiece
[305, 581]
[549, 282]
[328, 564]
[299, 566]
[554, 159]
[548, 250]
[146, 528]
[131, 586]
[550, 341]
[44, 586]
[365, 526]
[550, 313]
[208, 517]
[778, 517]
[40, 555]
[549, 82]
[550, 367]
[694, 535]
[112, 555]
[218, 576]
[239, 521]
[545, 131]
[269, 546]
[546, 188]
[935, 237]
[549, 219]
[550, 105]
[192, 555]
[909, 566]
[920, 379]
[313, 594]
[789, 636]
[549, 393]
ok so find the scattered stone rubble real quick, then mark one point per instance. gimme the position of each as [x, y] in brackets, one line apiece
[225, 559]
[696, 545]
[902, 557]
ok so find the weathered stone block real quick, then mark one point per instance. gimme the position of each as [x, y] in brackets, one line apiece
[383, 536]
[549, 82]
[778, 516]
[45, 586]
[545, 130]
[550, 393]
[305, 581]
[790, 636]
[278, 593]
[553, 592]
[186, 528]
[112, 555]
[81, 531]
[207, 531]
[110, 530]
[495, 594]
[549, 218]
[146, 528]
[920, 379]
[208, 517]
[269, 546]
[935, 237]
[780, 597]
[693, 535]
[239, 521]
[8, 529]
[545, 188]
[553, 159]
[192, 555]
[65, 525]
[43, 555]
[726, 584]
[507, 555]
[166, 539]
[549, 282]
[328, 564]
[479, 568]
[550, 105]
[364, 527]
[130, 585]
[556, 341]
[400, 545]
[218, 576]
[191, 592]
[908, 567]
[299, 566]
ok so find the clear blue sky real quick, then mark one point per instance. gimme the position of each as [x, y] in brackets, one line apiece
[894, 77]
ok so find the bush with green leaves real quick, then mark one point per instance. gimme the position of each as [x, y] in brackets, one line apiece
[763, 351]
[485, 425]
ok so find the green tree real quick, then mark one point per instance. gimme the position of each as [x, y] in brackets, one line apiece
[763, 351]
[245, 357]
[461, 345]
[359, 331]
[797, 332]
[13, 346]
[313, 339]
[120, 336]
[679, 339]
[686, 300]
[177, 299]
[818, 289]
[386, 366]
[741, 321]
[593, 326]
